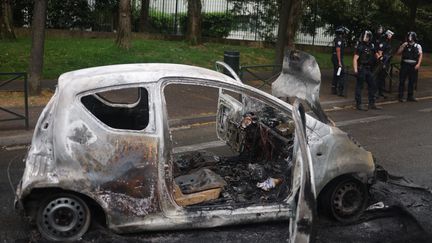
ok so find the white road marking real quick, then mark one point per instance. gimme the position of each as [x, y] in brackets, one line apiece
[199, 146]
[426, 110]
[363, 120]
[16, 147]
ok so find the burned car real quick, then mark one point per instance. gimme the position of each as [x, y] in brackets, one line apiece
[167, 146]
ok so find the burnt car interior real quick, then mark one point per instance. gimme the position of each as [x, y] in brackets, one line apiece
[252, 166]
[121, 109]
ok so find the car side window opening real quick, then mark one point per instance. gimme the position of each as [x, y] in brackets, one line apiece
[237, 150]
[126, 108]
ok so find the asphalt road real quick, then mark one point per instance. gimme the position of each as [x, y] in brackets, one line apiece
[398, 136]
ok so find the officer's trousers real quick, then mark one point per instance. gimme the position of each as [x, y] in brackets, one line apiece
[407, 70]
[365, 75]
[381, 77]
[338, 82]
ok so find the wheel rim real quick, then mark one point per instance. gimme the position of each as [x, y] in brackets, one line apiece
[347, 199]
[63, 218]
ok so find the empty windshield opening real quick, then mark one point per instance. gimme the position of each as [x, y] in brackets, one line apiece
[134, 116]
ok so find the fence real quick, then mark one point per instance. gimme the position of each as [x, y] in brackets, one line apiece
[16, 116]
[167, 17]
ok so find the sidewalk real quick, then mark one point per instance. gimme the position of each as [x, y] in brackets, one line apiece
[14, 133]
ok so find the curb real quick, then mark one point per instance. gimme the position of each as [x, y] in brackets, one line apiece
[19, 138]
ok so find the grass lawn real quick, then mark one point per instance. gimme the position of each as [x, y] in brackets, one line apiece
[66, 54]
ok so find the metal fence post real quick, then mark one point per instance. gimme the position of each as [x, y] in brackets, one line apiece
[256, 20]
[26, 101]
[175, 18]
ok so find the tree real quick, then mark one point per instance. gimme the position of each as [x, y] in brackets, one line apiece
[144, 16]
[6, 26]
[124, 29]
[289, 16]
[37, 46]
[193, 34]
[413, 6]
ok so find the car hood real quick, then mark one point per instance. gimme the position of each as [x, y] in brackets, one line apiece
[300, 78]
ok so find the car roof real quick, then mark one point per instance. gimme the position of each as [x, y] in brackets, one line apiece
[123, 74]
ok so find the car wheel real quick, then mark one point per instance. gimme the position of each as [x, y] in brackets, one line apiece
[344, 199]
[63, 217]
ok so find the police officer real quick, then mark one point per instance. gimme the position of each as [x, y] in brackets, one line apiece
[338, 83]
[363, 62]
[412, 55]
[377, 38]
[384, 56]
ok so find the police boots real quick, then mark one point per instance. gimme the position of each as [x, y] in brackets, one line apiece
[372, 106]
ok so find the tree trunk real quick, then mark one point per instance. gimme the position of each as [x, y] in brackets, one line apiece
[37, 46]
[412, 6]
[124, 25]
[194, 22]
[144, 16]
[413, 13]
[284, 10]
[6, 26]
[289, 15]
[293, 23]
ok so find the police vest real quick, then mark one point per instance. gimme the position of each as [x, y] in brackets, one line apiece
[366, 54]
[411, 52]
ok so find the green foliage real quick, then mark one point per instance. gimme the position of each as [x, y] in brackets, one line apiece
[161, 22]
[359, 15]
[262, 17]
[424, 26]
[104, 14]
[22, 11]
[67, 14]
[216, 24]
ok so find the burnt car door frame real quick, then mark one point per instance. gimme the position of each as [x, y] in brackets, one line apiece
[235, 87]
[119, 147]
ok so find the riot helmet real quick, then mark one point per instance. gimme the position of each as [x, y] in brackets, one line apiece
[388, 34]
[366, 36]
[341, 30]
[411, 36]
[379, 30]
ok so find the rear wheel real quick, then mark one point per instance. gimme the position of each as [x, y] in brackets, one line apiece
[63, 217]
[344, 199]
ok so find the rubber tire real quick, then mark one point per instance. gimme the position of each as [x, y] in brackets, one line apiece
[85, 224]
[326, 201]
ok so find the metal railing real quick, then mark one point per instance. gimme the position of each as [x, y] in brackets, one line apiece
[256, 71]
[17, 116]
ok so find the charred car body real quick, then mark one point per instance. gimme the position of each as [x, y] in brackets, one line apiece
[89, 153]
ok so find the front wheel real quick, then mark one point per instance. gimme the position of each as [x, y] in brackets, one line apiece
[344, 199]
[63, 217]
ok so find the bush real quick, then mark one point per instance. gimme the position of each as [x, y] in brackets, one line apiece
[161, 22]
[217, 25]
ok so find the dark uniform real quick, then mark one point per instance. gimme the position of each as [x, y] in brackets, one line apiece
[365, 62]
[383, 65]
[338, 83]
[410, 57]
